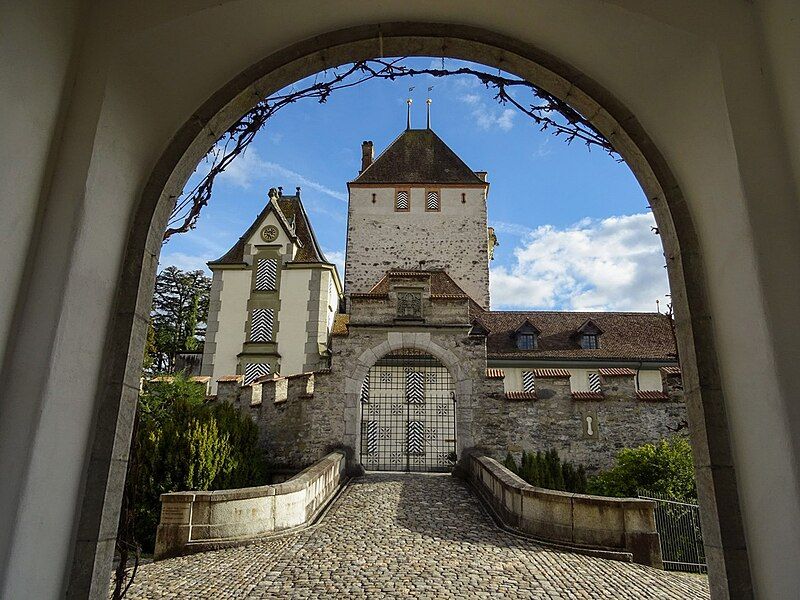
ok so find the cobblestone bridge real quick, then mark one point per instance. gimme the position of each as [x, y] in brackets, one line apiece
[393, 535]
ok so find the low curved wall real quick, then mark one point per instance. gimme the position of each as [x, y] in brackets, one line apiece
[619, 524]
[196, 521]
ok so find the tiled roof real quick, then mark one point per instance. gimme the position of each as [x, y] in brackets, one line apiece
[627, 335]
[442, 285]
[230, 378]
[651, 395]
[287, 208]
[340, 323]
[418, 156]
[616, 372]
[550, 373]
[495, 374]
[521, 396]
[587, 395]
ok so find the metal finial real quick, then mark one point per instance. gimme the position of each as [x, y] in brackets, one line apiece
[408, 115]
[428, 102]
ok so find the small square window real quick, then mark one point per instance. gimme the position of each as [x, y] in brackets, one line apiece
[590, 341]
[402, 200]
[433, 201]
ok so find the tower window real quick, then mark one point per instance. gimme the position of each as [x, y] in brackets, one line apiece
[432, 201]
[402, 201]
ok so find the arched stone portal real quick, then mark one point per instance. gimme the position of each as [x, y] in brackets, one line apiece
[728, 163]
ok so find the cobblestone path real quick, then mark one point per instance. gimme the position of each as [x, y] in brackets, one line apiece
[398, 535]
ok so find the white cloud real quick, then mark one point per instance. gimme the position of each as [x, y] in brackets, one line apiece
[488, 116]
[610, 264]
[249, 167]
[337, 258]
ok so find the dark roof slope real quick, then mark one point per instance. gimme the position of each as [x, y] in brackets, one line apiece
[626, 335]
[287, 209]
[418, 156]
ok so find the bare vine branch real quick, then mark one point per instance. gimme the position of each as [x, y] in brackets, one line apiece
[549, 113]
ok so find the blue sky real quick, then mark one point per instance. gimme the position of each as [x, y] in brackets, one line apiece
[574, 226]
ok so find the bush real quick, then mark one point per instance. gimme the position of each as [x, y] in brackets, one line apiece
[547, 471]
[665, 468]
[184, 443]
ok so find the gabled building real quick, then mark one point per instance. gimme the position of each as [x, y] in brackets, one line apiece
[273, 298]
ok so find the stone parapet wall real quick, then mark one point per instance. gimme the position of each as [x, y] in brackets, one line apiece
[591, 522]
[198, 521]
[556, 418]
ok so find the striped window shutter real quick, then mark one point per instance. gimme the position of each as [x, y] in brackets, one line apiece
[415, 387]
[432, 200]
[594, 383]
[401, 200]
[266, 273]
[528, 382]
[253, 371]
[261, 324]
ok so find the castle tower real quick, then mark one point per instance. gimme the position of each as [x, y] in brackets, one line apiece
[418, 206]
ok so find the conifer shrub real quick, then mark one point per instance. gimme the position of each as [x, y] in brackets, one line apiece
[665, 468]
[184, 443]
[546, 470]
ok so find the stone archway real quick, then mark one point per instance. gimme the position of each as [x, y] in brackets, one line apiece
[685, 267]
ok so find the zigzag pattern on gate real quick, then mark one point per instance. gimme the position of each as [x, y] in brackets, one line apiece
[528, 382]
[365, 389]
[415, 387]
[594, 383]
[372, 436]
[416, 439]
[261, 322]
[266, 273]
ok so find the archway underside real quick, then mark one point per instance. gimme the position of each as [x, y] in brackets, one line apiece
[695, 340]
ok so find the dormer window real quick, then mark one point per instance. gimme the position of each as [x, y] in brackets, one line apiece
[590, 341]
[526, 341]
[588, 335]
[526, 336]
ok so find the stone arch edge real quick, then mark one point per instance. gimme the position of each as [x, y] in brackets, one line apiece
[705, 400]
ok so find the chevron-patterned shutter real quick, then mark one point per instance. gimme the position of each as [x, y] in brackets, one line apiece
[416, 439]
[415, 387]
[261, 323]
[528, 382]
[365, 389]
[253, 371]
[401, 201]
[266, 274]
[594, 382]
[432, 200]
[372, 437]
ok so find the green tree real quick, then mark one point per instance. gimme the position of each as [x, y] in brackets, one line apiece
[665, 468]
[184, 443]
[546, 470]
[179, 315]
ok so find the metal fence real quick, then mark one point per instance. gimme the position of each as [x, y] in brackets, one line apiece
[678, 525]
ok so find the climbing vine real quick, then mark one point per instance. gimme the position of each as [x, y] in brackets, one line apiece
[547, 111]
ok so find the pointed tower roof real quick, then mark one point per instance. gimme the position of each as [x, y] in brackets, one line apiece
[418, 156]
[292, 217]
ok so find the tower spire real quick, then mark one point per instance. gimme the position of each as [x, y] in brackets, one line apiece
[408, 114]
[428, 102]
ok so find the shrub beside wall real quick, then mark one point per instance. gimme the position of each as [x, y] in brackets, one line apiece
[546, 470]
[665, 468]
[183, 443]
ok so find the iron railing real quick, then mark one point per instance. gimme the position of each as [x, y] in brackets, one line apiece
[678, 525]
